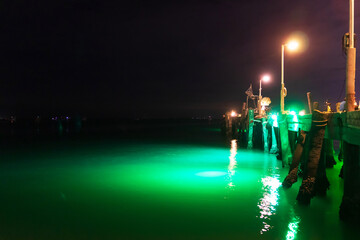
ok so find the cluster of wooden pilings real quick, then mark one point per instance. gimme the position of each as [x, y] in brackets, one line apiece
[305, 145]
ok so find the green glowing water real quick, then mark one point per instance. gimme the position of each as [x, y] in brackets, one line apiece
[144, 189]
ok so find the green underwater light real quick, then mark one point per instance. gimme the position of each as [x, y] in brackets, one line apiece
[293, 226]
[275, 120]
[295, 120]
[211, 174]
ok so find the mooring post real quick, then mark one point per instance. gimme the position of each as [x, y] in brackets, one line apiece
[309, 102]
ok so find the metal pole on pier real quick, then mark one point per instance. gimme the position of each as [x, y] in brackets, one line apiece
[350, 63]
[264, 78]
[292, 46]
[282, 96]
[349, 208]
[259, 100]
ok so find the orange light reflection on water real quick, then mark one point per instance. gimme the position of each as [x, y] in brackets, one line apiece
[232, 163]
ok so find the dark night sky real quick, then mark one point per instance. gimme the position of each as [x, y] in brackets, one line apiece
[164, 59]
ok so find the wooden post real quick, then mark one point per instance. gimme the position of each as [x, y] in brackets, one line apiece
[291, 178]
[309, 101]
[243, 110]
[316, 137]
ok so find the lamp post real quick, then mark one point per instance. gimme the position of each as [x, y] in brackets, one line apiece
[265, 78]
[292, 46]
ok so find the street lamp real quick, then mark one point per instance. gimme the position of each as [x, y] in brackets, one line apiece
[350, 62]
[291, 46]
[264, 78]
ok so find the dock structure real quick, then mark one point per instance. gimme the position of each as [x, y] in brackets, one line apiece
[305, 143]
[344, 127]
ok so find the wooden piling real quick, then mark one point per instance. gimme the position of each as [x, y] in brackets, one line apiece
[291, 178]
[309, 101]
[316, 137]
[322, 128]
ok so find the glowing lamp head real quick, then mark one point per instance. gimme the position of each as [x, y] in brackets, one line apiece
[292, 45]
[302, 113]
[265, 78]
[266, 101]
[233, 114]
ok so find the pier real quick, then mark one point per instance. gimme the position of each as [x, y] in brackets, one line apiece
[304, 144]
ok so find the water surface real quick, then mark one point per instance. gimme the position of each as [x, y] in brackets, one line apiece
[187, 183]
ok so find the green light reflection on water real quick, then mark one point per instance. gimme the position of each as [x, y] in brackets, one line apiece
[192, 179]
[156, 189]
[210, 174]
[293, 227]
[184, 173]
